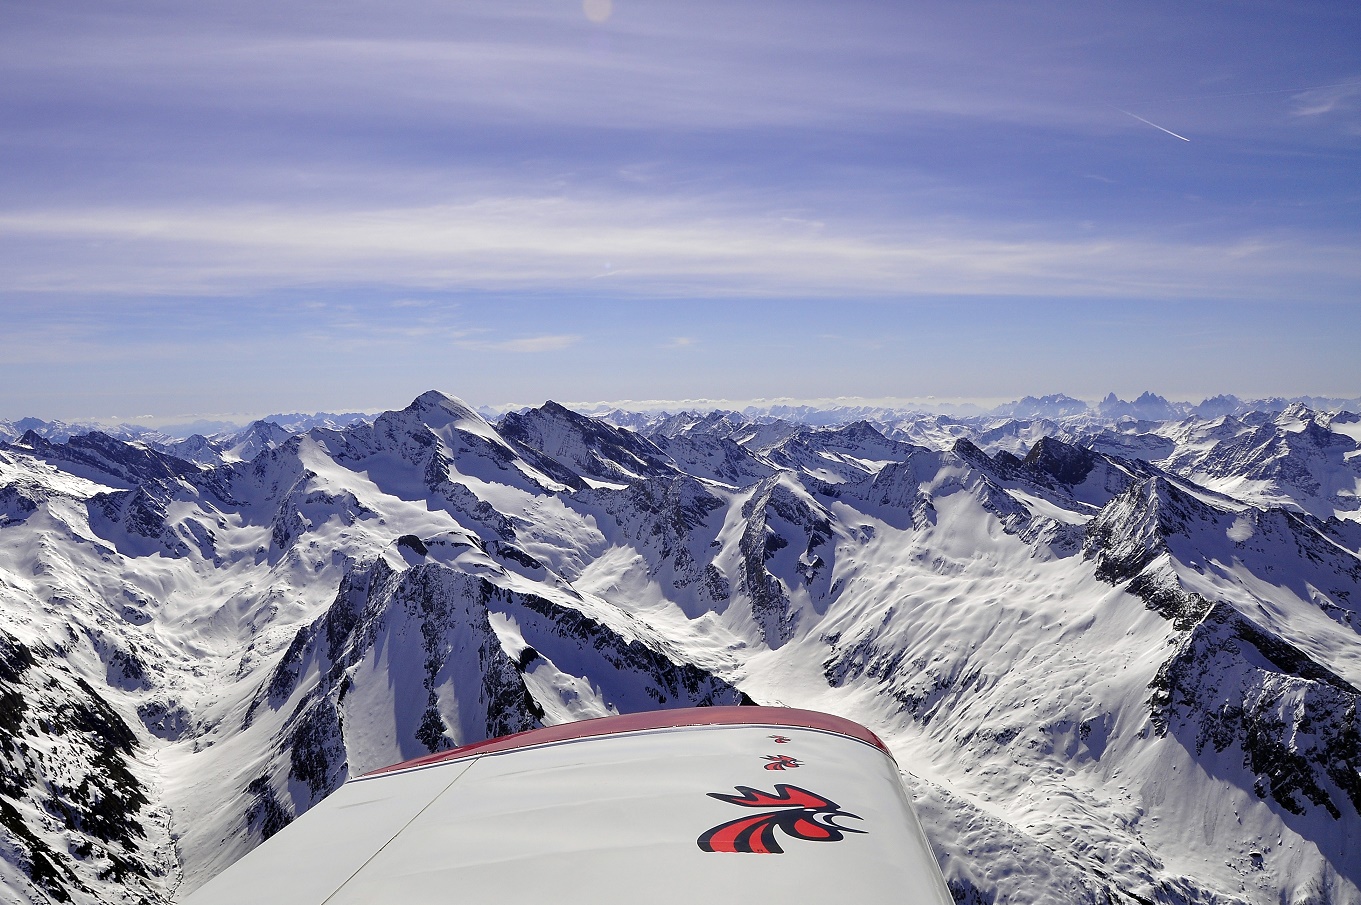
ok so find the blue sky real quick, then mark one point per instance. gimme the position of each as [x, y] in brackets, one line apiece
[254, 207]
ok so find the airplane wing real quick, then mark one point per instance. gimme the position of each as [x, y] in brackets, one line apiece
[705, 805]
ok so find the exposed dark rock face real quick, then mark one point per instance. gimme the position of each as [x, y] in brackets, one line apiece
[1130, 535]
[586, 446]
[903, 493]
[430, 435]
[244, 445]
[969, 452]
[67, 754]
[132, 466]
[1296, 457]
[166, 719]
[479, 515]
[443, 613]
[1230, 685]
[1064, 464]
[15, 504]
[1135, 538]
[775, 517]
[717, 458]
[920, 687]
[665, 515]
[303, 508]
[414, 544]
[99, 454]
[430, 626]
[316, 747]
[1133, 529]
[142, 512]
[1265, 453]
[1065, 473]
[666, 680]
[837, 449]
[965, 893]
[265, 814]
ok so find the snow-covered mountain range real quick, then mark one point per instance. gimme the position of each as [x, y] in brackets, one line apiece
[1115, 652]
[224, 441]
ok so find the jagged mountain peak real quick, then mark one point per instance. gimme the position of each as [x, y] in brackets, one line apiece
[257, 437]
[717, 423]
[1057, 405]
[968, 451]
[834, 454]
[1064, 462]
[1132, 530]
[856, 432]
[100, 457]
[1218, 406]
[261, 430]
[1295, 411]
[437, 410]
[1161, 499]
[589, 447]
[1304, 427]
[1074, 477]
[557, 409]
[1149, 406]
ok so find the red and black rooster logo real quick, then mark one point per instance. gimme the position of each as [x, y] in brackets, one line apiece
[802, 814]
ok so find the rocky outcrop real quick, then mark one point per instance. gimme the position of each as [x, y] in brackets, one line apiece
[665, 516]
[774, 518]
[1133, 529]
[1231, 686]
[73, 802]
[424, 637]
[586, 446]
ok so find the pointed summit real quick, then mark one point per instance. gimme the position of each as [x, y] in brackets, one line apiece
[436, 410]
[1063, 462]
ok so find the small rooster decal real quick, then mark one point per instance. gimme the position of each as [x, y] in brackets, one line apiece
[782, 762]
[802, 814]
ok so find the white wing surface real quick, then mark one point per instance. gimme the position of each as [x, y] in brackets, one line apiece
[714, 805]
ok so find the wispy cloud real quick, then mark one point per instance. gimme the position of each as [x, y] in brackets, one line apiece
[709, 66]
[550, 343]
[1327, 99]
[659, 248]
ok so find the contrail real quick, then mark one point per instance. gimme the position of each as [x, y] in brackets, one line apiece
[1154, 125]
